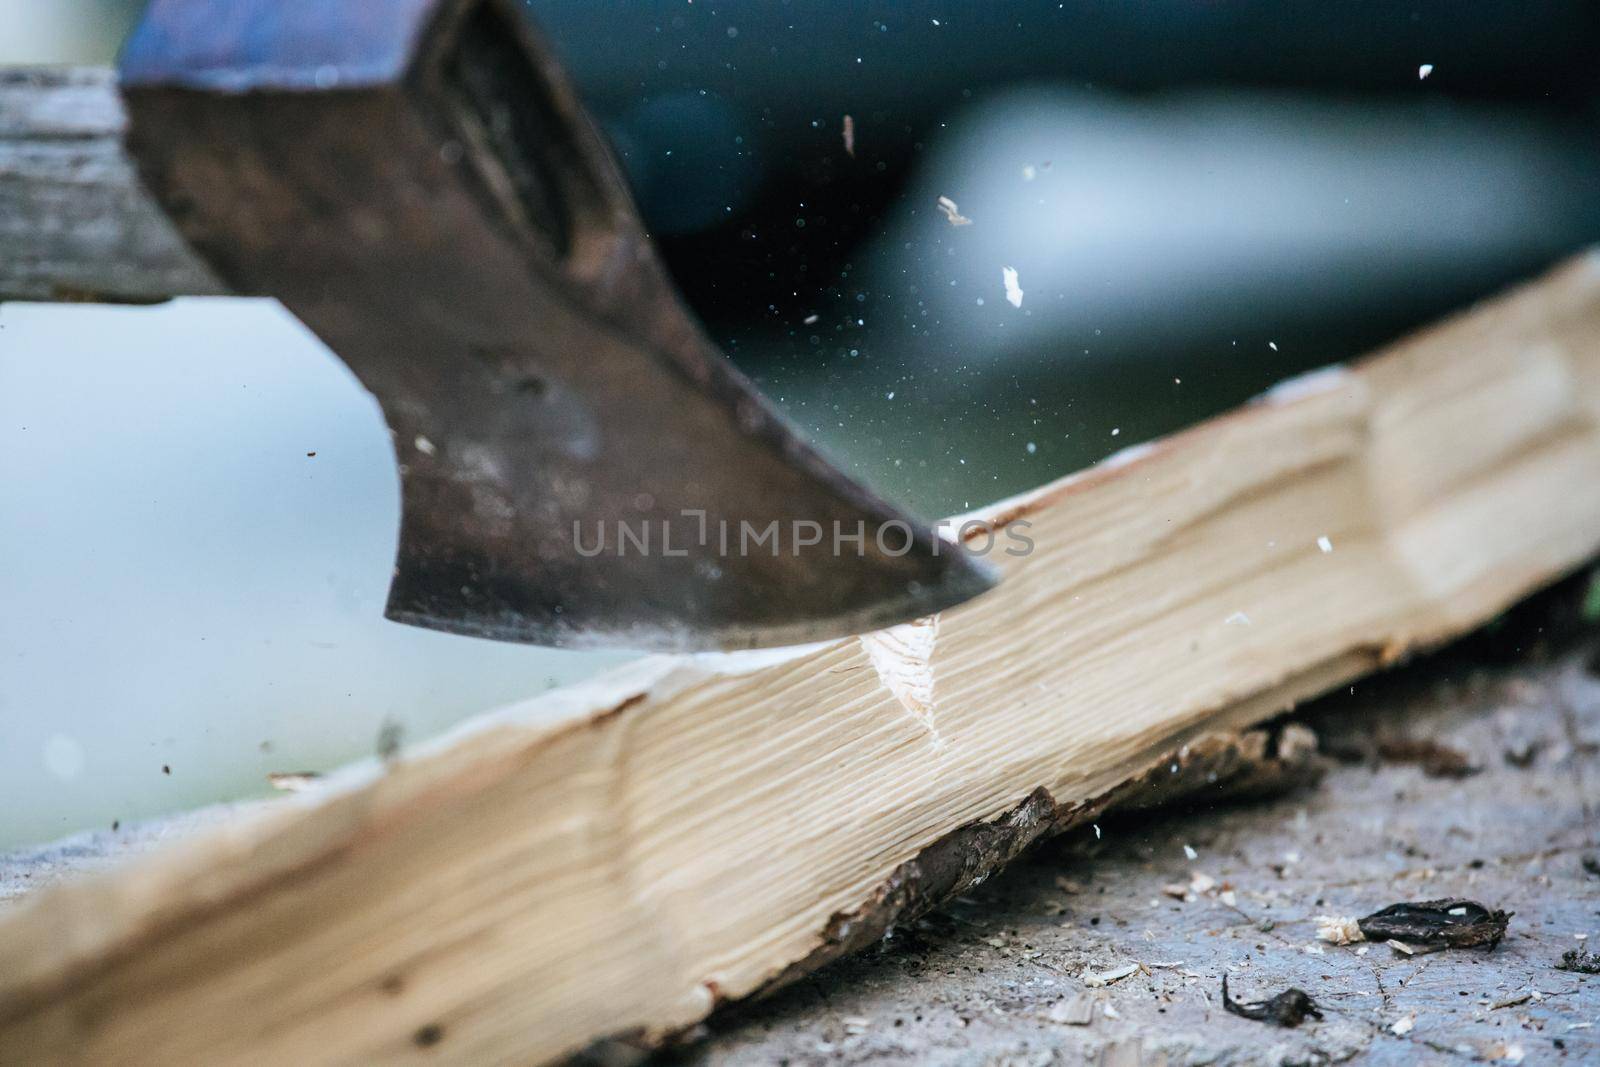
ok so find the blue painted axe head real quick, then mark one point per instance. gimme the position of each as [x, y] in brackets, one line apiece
[580, 465]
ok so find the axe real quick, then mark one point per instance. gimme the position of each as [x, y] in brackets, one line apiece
[418, 182]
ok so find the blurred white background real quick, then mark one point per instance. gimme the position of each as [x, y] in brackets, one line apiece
[184, 587]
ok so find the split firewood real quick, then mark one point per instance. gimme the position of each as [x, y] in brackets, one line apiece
[621, 857]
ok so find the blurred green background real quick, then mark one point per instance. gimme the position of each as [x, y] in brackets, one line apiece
[64, 31]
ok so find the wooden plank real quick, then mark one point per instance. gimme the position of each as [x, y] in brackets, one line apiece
[75, 223]
[620, 857]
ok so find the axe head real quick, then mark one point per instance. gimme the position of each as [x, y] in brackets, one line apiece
[580, 466]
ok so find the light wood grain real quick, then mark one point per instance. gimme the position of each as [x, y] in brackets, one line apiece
[620, 857]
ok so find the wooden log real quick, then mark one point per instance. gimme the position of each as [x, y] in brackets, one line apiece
[620, 857]
[75, 224]
[1003, 972]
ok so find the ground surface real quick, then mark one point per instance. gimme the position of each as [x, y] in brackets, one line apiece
[990, 979]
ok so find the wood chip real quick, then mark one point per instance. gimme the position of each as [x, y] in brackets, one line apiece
[293, 781]
[1013, 287]
[1511, 1001]
[1096, 979]
[1076, 1011]
[1412, 950]
[953, 213]
[1339, 930]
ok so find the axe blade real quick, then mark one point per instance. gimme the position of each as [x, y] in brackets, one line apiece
[417, 181]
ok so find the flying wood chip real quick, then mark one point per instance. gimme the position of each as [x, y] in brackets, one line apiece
[953, 212]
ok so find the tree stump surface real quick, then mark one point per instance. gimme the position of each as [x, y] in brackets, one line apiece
[988, 979]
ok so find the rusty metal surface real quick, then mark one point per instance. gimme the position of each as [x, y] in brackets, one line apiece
[417, 182]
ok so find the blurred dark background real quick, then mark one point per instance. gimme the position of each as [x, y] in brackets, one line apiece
[1200, 197]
